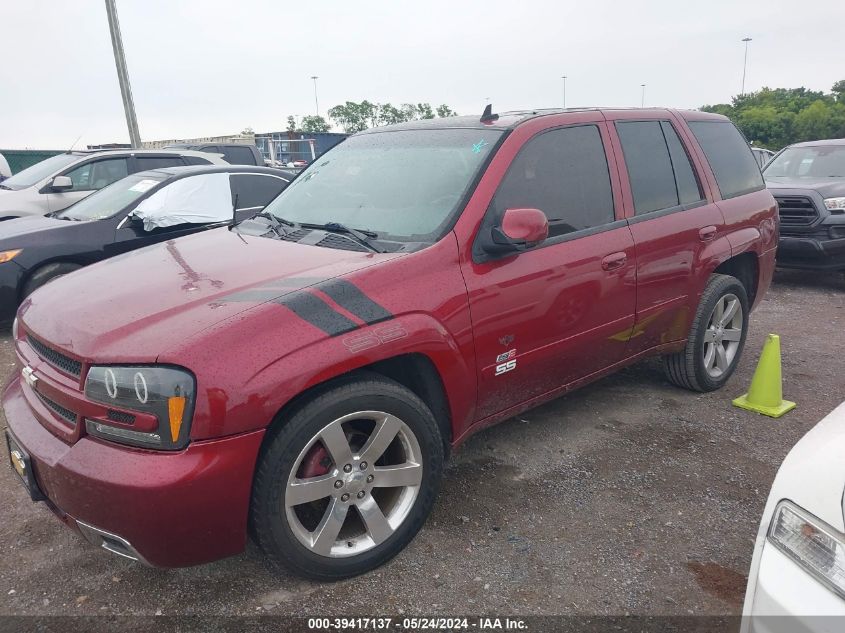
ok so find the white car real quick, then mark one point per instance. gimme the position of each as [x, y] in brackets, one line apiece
[798, 567]
[57, 182]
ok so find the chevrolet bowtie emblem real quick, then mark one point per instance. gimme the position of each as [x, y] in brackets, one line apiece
[29, 376]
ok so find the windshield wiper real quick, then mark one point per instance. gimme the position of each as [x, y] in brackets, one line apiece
[275, 222]
[361, 236]
[2, 186]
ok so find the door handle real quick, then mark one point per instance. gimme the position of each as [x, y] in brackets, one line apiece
[614, 261]
[707, 233]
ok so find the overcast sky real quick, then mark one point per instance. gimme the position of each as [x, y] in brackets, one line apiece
[212, 67]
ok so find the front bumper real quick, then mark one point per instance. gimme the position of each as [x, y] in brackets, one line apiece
[787, 598]
[10, 278]
[171, 509]
[811, 253]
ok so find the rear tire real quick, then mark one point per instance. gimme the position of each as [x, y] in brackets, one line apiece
[716, 338]
[46, 274]
[363, 510]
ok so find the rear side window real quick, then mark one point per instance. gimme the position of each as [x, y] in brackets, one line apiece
[239, 156]
[156, 162]
[564, 174]
[729, 156]
[659, 169]
[254, 191]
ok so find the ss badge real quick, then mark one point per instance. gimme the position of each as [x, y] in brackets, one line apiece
[506, 362]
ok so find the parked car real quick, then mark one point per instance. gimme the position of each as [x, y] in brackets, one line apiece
[798, 567]
[141, 209]
[233, 153]
[762, 155]
[808, 182]
[307, 373]
[61, 180]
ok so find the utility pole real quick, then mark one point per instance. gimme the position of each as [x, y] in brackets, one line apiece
[642, 97]
[316, 103]
[744, 64]
[123, 75]
[564, 91]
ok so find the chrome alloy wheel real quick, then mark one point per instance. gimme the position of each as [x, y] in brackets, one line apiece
[723, 335]
[353, 484]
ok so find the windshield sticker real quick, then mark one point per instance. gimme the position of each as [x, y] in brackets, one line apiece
[476, 149]
[143, 185]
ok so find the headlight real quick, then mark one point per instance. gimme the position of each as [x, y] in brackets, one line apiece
[810, 542]
[165, 392]
[7, 256]
[835, 204]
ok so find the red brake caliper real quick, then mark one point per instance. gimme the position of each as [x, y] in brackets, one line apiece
[316, 462]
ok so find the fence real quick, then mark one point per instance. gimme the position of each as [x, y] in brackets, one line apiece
[20, 159]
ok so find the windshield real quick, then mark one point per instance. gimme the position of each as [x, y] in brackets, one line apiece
[39, 171]
[112, 199]
[403, 186]
[820, 161]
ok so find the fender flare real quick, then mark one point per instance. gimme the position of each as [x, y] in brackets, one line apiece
[412, 333]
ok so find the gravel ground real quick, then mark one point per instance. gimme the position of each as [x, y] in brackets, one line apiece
[629, 496]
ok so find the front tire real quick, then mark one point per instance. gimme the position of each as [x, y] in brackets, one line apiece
[716, 338]
[46, 274]
[346, 482]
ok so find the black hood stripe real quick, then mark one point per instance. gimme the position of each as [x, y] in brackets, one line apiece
[349, 297]
[311, 308]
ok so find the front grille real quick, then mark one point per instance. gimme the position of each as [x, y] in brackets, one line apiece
[54, 357]
[796, 210]
[120, 416]
[66, 414]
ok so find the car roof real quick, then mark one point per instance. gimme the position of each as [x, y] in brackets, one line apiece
[827, 141]
[192, 170]
[511, 119]
[147, 152]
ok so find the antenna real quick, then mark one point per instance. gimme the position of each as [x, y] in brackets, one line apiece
[72, 145]
[488, 116]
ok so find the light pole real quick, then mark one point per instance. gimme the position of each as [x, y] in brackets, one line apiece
[564, 91]
[642, 96]
[316, 103]
[123, 75]
[744, 63]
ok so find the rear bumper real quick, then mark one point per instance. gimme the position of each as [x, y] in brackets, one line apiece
[811, 253]
[170, 509]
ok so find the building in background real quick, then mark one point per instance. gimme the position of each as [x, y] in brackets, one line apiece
[288, 147]
[247, 139]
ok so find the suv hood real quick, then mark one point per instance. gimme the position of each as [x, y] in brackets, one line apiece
[135, 306]
[826, 187]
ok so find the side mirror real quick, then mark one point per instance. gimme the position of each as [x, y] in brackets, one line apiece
[520, 230]
[61, 183]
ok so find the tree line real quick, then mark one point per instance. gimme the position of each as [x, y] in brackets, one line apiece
[774, 118]
[354, 117]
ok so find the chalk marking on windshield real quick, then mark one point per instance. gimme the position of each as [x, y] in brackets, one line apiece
[476, 149]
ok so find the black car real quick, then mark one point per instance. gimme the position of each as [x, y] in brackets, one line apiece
[141, 209]
[808, 183]
[232, 153]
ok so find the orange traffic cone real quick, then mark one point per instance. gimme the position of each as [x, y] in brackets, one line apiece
[765, 395]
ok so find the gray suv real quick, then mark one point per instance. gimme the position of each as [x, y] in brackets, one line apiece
[61, 180]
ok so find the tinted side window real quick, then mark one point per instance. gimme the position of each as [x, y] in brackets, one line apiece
[649, 165]
[564, 174]
[729, 156]
[255, 191]
[689, 190]
[98, 174]
[238, 156]
[155, 162]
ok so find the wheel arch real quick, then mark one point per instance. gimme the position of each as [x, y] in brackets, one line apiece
[746, 268]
